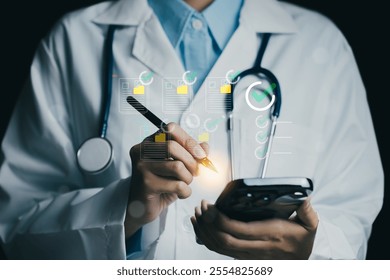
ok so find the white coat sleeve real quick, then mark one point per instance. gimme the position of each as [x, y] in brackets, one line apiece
[46, 209]
[349, 178]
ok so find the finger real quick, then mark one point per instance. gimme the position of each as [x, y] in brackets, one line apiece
[206, 237]
[209, 234]
[204, 205]
[135, 153]
[208, 216]
[308, 216]
[190, 144]
[256, 230]
[160, 185]
[170, 169]
[196, 230]
[198, 213]
[178, 152]
[151, 149]
[225, 243]
[205, 146]
[206, 230]
[148, 149]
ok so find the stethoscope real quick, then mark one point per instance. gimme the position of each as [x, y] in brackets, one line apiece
[96, 154]
[275, 102]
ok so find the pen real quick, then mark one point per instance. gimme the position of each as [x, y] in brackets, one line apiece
[160, 124]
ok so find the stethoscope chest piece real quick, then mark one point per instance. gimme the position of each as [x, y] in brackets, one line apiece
[95, 155]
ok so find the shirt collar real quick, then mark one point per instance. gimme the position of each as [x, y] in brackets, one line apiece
[173, 16]
[222, 17]
[261, 15]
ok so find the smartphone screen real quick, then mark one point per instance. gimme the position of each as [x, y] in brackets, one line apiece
[266, 198]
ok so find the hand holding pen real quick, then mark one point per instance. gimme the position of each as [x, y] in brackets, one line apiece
[156, 183]
[163, 126]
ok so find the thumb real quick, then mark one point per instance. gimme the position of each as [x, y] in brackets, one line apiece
[307, 215]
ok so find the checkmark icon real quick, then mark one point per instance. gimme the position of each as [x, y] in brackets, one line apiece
[262, 136]
[190, 77]
[262, 121]
[261, 152]
[147, 77]
[259, 96]
[212, 124]
[233, 76]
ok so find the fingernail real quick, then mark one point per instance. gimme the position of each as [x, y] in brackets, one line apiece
[197, 212]
[199, 241]
[204, 205]
[195, 149]
[199, 152]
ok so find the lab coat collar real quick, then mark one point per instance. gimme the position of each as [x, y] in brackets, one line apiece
[262, 15]
[267, 16]
[125, 12]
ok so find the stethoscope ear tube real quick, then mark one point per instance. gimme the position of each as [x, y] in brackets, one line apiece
[96, 154]
[278, 95]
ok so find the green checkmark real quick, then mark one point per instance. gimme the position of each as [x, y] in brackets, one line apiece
[146, 78]
[233, 76]
[263, 120]
[260, 153]
[270, 88]
[260, 95]
[212, 124]
[190, 77]
[262, 136]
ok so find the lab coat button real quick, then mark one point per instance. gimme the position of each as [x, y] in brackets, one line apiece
[197, 24]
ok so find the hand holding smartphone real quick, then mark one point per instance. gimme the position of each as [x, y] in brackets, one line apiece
[263, 198]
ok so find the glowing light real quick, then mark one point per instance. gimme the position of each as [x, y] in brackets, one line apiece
[211, 182]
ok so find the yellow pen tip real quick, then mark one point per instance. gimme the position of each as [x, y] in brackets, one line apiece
[207, 163]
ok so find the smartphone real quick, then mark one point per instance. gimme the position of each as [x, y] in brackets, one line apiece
[263, 198]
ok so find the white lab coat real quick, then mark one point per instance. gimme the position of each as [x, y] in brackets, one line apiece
[49, 209]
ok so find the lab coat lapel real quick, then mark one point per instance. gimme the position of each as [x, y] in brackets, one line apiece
[152, 48]
[151, 45]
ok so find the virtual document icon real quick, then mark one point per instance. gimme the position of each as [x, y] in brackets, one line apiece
[139, 89]
[131, 87]
[204, 137]
[176, 96]
[218, 95]
[182, 89]
[160, 138]
[225, 89]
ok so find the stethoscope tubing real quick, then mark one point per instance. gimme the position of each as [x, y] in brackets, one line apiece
[255, 70]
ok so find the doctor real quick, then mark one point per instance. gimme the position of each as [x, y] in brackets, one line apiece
[141, 208]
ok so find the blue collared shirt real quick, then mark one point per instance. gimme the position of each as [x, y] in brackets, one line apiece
[198, 37]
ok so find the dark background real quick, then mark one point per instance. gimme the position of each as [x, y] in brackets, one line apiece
[25, 22]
